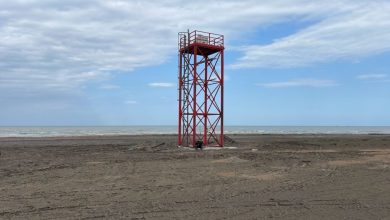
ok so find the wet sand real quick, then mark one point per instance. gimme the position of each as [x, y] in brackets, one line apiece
[148, 177]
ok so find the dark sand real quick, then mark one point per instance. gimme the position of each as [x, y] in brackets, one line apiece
[266, 177]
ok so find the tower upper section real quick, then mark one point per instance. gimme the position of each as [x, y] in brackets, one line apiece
[209, 42]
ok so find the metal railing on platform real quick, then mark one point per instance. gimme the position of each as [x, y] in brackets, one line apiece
[201, 37]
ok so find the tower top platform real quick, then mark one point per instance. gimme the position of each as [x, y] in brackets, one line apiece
[209, 42]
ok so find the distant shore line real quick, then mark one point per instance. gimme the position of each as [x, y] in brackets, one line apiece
[172, 130]
[111, 136]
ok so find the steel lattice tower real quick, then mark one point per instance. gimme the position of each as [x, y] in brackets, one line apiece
[201, 72]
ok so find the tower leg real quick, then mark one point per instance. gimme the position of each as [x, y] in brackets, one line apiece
[179, 141]
[222, 85]
[206, 60]
[194, 110]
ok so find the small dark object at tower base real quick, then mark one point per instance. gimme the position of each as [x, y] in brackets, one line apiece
[199, 145]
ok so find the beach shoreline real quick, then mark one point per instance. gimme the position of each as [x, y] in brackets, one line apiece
[267, 176]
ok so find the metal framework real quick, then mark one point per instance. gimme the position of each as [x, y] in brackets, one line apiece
[201, 72]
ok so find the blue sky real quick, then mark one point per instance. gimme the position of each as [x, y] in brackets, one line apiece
[115, 62]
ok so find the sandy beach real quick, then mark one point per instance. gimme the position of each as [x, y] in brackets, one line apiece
[148, 177]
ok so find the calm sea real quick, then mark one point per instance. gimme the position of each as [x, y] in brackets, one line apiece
[135, 130]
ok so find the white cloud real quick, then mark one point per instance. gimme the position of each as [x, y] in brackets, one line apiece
[372, 76]
[109, 87]
[161, 84]
[351, 31]
[300, 83]
[66, 44]
[130, 102]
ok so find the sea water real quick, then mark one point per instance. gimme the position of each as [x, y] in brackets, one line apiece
[51, 131]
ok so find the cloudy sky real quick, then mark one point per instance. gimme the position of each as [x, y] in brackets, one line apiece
[102, 62]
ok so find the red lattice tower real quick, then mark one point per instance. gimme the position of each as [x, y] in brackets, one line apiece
[201, 72]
